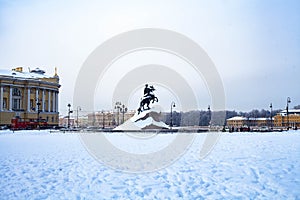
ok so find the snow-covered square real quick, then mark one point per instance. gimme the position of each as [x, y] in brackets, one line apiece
[44, 165]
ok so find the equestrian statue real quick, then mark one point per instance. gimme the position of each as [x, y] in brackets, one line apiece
[148, 98]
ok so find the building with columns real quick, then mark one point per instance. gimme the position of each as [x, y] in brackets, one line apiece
[28, 95]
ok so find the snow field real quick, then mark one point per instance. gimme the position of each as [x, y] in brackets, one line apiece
[42, 165]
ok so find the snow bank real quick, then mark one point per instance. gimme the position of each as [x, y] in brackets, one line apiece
[148, 119]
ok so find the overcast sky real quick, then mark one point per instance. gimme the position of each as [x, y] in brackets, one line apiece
[255, 45]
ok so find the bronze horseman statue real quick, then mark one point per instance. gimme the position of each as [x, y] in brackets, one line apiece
[148, 97]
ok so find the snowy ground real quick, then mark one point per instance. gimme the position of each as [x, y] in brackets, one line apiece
[41, 165]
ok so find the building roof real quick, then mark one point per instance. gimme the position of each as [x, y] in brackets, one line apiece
[260, 118]
[291, 111]
[237, 118]
[34, 74]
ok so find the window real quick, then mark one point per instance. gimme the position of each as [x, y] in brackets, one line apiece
[31, 104]
[16, 104]
[16, 99]
[4, 103]
[16, 92]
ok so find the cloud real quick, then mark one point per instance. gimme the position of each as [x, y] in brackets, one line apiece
[255, 45]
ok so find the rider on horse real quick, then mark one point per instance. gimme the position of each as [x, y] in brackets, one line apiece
[148, 92]
[148, 96]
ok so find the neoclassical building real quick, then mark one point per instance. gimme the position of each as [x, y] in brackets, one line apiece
[290, 119]
[28, 96]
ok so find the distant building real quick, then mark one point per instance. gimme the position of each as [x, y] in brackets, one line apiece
[63, 121]
[236, 121]
[290, 120]
[239, 121]
[28, 95]
[108, 119]
[82, 121]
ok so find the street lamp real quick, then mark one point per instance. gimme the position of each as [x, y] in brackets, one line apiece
[94, 118]
[271, 106]
[120, 108]
[78, 109]
[103, 126]
[209, 115]
[38, 112]
[117, 107]
[171, 114]
[123, 110]
[69, 112]
[287, 112]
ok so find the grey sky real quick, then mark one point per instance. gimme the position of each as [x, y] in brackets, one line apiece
[255, 45]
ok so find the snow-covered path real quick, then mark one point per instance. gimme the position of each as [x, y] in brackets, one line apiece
[41, 165]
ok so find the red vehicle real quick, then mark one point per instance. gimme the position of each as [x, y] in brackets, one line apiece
[20, 123]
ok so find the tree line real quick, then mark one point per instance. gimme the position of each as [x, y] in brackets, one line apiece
[205, 118]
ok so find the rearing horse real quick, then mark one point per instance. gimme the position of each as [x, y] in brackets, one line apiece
[147, 100]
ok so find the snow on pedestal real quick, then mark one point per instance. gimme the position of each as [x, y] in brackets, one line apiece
[148, 119]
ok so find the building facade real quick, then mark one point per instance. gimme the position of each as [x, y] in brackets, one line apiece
[108, 119]
[239, 121]
[282, 120]
[64, 122]
[29, 95]
[236, 121]
[290, 119]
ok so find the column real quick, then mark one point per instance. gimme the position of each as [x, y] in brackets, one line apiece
[53, 99]
[10, 98]
[1, 98]
[49, 100]
[28, 100]
[56, 102]
[43, 100]
[36, 99]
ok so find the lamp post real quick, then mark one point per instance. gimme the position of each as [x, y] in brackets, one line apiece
[120, 108]
[113, 120]
[271, 106]
[287, 112]
[38, 113]
[117, 107]
[209, 115]
[69, 112]
[123, 110]
[103, 126]
[171, 114]
[94, 118]
[78, 109]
